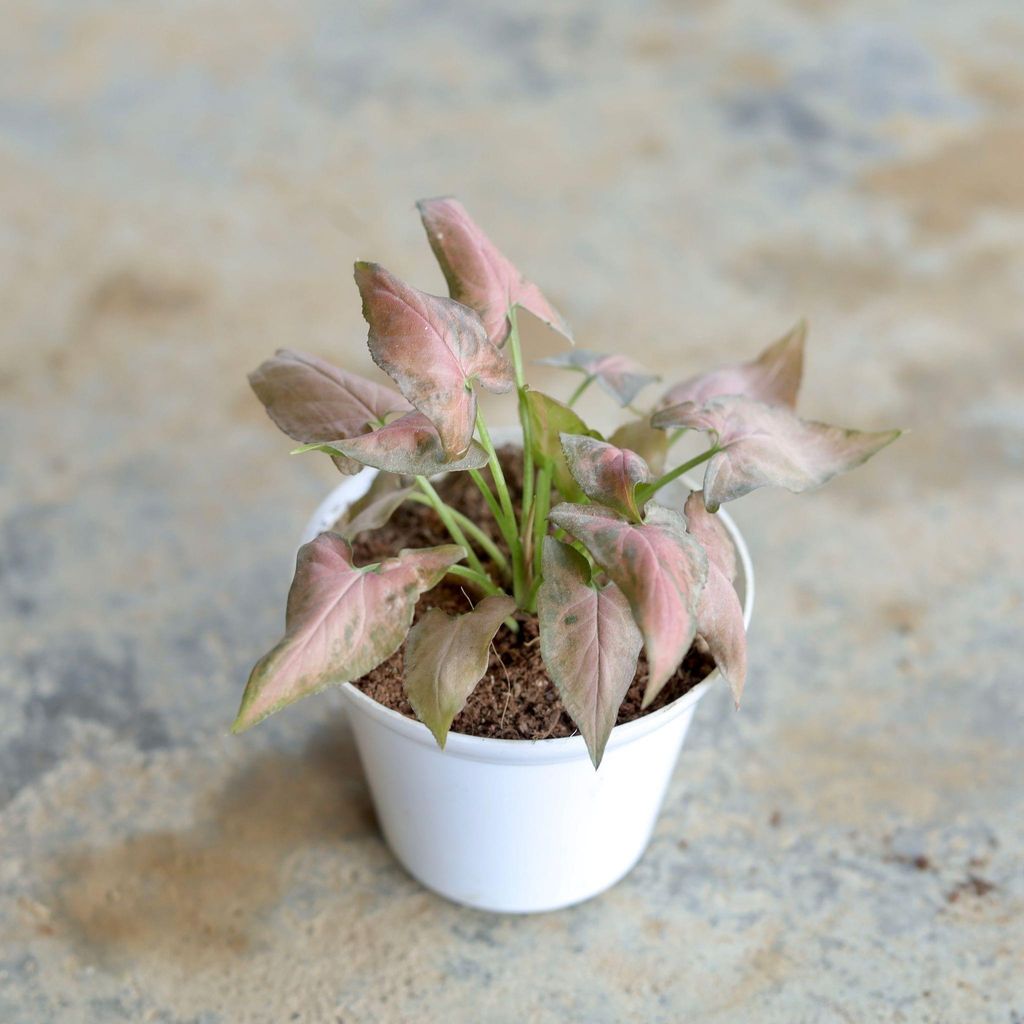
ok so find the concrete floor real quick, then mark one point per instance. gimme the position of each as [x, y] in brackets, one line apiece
[184, 188]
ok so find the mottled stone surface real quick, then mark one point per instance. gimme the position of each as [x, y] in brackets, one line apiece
[184, 187]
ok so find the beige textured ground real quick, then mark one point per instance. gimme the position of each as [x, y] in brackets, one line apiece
[184, 187]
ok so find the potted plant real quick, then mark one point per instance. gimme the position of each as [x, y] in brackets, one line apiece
[561, 583]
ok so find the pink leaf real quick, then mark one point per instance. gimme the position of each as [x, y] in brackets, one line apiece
[712, 534]
[434, 349]
[620, 376]
[310, 400]
[719, 613]
[477, 273]
[773, 377]
[409, 446]
[608, 475]
[446, 657]
[767, 445]
[659, 568]
[589, 643]
[342, 621]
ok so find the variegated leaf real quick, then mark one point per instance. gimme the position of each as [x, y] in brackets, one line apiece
[589, 643]
[478, 274]
[769, 446]
[409, 446]
[773, 377]
[342, 621]
[623, 378]
[311, 400]
[607, 475]
[435, 349]
[709, 529]
[640, 437]
[658, 566]
[550, 418]
[445, 657]
[719, 612]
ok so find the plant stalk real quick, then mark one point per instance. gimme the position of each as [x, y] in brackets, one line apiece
[445, 514]
[485, 583]
[524, 419]
[587, 381]
[644, 492]
[507, 519]
[488, 495]
[472, 530]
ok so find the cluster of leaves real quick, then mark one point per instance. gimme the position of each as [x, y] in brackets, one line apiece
[607, 569]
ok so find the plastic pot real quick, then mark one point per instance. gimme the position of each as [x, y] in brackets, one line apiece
[517, 826]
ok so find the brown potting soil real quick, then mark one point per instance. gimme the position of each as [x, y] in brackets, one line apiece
[515, 700]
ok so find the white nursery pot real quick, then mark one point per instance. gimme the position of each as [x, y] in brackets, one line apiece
[517, 826]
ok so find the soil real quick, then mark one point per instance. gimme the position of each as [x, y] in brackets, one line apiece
[515, 700]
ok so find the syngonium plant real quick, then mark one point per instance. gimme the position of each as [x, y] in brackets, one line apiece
[607, 569]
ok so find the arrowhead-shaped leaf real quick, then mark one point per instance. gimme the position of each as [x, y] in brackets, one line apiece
[446, 657]
[773, 377]
[659, 568]
[769, 446]
[608, 475]
[640, 437]
[435, 349]
[409, 446]
[622, 377]
[708, 528]
[311, 400]
[342, 621]
[589, 643]
[477, 273]
[719, 613]
[549, 419]
[375, 508]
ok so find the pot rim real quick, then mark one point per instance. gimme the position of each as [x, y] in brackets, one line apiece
[543, 751]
